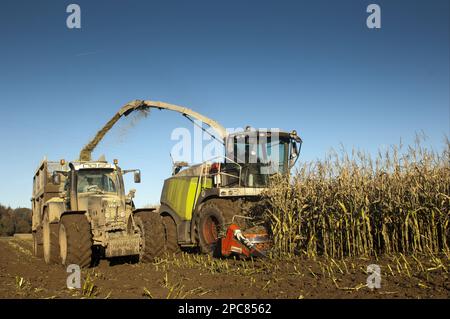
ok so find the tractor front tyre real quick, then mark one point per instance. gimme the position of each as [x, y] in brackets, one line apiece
[210, 222]
[38, 250]
[75, 240]
[171, 233]
[152, 231]
[50, 241]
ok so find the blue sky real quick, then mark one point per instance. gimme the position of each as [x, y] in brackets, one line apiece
[313, 66]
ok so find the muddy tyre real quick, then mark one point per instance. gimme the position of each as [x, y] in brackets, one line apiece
[50, 241]
[38, 250]
[151, 226]
[75, 240]
[171, 240]
[211, 222]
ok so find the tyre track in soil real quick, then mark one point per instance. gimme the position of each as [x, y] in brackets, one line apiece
[119, 281]
[124, 280]
[40, 280]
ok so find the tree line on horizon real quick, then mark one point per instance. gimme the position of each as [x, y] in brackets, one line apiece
[13, 221]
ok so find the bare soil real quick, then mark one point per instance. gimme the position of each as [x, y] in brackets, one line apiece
[195, 276]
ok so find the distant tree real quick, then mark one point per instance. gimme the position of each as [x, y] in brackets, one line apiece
[14, 220]
[22, 226]
[6, 222]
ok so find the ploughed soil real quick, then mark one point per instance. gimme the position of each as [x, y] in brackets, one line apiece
[195, 276]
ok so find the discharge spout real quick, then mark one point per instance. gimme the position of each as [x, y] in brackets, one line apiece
[86, 152]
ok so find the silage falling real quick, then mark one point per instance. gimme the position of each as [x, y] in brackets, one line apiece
[86, 152]
[131, 121]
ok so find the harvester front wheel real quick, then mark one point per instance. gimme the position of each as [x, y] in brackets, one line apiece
[170, 228]
[210, 221]
[151, 227]
[75, 240]
[37, 243]
[50, 241]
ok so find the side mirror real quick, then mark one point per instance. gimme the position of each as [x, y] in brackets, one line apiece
[292, 160]
[56, 178]
[137, 176]
[294, 154]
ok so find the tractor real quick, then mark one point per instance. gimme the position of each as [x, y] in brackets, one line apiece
[81, 214]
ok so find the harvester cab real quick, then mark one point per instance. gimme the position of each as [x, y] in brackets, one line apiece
[252, 156]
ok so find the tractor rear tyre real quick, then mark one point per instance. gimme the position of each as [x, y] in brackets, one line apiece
[210, 222]
[151, 227]
[50, 241]
[171, 233]
[75, 240]
[38, 250]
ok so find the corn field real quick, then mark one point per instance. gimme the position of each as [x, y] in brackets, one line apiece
[353, 205]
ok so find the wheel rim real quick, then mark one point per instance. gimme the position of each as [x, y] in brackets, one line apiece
[62, 243]
[210, 227]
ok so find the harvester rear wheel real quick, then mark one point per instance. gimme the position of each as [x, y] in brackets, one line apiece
[152, 231]
[170, 228]
[50, 241]
[210, 222]
[38, 250]
[75, 240]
